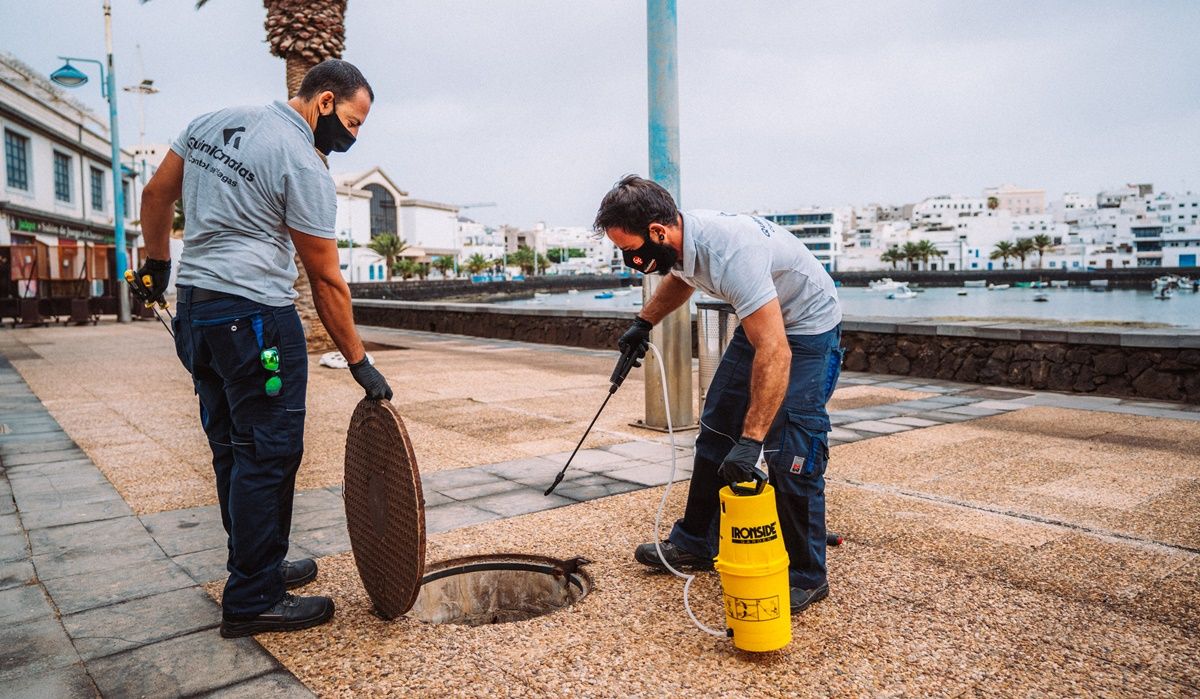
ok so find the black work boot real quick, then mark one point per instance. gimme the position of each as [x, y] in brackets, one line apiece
[298, 573]
[802, 598]
[646, 554]
[291, 613]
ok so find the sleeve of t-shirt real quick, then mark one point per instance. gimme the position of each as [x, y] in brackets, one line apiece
[746, 282]
[310, 201]
[179, 145]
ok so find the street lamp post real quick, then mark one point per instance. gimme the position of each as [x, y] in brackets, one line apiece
[70, 76]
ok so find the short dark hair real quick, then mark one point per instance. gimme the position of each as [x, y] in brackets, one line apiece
[337, 76]
[633, 204]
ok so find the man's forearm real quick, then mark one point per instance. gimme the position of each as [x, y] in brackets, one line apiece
[670, 294]
[768, 385]
[333, 306]
[157, 216]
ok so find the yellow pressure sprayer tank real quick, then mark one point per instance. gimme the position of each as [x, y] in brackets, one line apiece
[753, 563]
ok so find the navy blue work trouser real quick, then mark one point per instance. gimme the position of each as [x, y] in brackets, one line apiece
[257, 440]
[796, 450]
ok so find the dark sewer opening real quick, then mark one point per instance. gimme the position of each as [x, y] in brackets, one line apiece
[499, 588]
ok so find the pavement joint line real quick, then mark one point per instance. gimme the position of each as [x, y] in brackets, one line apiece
[1039, 519]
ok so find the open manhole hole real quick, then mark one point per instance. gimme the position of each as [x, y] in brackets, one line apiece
[497, 589]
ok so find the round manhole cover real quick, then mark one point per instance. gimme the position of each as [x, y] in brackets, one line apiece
[500, 588]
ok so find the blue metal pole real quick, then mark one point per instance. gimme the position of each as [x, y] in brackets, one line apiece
[673, 333]
[118, 192]
[663, 94]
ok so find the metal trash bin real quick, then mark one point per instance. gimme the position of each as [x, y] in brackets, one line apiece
[715, 323]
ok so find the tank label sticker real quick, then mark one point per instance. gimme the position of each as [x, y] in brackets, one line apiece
[754, 535]
[746, 609]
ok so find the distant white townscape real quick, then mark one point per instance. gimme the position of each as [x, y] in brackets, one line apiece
[1007, 227]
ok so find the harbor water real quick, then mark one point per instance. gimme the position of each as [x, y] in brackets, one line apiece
[1070, 305]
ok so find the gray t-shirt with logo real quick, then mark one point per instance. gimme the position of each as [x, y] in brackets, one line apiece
[746, 261]
[250, 173]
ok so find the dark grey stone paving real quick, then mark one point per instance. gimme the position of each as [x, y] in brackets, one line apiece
[89, 601]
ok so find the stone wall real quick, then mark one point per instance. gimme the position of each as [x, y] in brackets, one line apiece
[1157, 364]
[1152, 364]
[587, 329]
[464, 289]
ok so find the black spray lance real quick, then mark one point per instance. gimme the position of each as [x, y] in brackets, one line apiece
[628, 360]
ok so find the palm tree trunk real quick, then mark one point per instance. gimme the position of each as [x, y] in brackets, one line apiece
[314, 331]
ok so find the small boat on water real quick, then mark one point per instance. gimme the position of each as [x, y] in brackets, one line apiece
[541, 295]
[573, 291]
[975, 283]
[623, 292]
[962, 292]
[1024, 285]
[1042, 297]
[1164, 293]
[1059, 284]
[997, 287]
[885, 284]
[902, 292]
[604, 295]
[1098, 285]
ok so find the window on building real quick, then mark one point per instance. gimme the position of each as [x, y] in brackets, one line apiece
[1053, 264]
[126, 196]
[16, 160]
[97, 189]
[383, 211]
[62, 177]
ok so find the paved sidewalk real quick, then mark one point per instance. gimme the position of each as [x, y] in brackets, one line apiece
[89, 602]
[95, 599]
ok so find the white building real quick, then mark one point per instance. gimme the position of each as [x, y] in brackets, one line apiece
[820, 229]
[1019, 200]
[58, 187]
[598, 251]
[369, 205]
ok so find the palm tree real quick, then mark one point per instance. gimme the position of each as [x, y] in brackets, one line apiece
[477, 263]
[891, 255]
[408, 268]
[303, 33]
[389, 248]
[928, 250]
[1003, 250]
[911, 253]
[1042, 243]
[445, 265]
[1024, 248]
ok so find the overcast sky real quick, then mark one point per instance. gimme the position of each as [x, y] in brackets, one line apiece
[541, 106]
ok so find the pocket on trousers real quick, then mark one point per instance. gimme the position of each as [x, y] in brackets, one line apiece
[282, 436]
[235, 347]
[804, 448]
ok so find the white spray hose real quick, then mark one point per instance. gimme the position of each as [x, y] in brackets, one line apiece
[663, 505]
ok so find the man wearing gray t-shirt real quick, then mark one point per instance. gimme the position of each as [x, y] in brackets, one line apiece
[767, 398]
[256, 193]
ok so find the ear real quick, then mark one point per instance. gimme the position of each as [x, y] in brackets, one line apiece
[657, 230]
[325, 102]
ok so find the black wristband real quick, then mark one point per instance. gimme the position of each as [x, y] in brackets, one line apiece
[643, 323]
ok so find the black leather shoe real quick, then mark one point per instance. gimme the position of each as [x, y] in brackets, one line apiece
[298, 573]
[646, 554]
[802, 598]
[291, 613]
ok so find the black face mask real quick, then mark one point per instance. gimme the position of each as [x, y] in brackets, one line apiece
[664, 257]
[331, 134]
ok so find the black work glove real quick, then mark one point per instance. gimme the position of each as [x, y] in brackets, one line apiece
[741, 466]
[159, 272]
[370, 379]
[636, 340]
